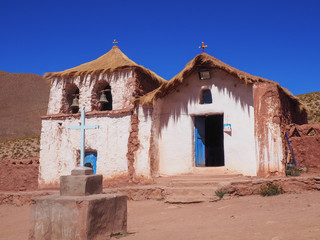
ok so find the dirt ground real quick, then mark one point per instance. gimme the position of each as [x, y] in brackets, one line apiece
[288, 216]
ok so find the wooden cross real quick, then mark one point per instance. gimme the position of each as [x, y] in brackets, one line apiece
[114, 42]
[203, 46]
[83, 127]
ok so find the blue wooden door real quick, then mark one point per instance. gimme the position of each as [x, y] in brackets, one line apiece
[91, 157]
[200, 148]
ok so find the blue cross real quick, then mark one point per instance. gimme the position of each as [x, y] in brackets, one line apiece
[83, 127]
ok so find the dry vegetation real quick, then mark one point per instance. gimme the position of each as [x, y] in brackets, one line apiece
[312, 101]
[20, 148]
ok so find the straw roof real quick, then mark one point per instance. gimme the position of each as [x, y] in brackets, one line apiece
[200, 61]
[113, 60]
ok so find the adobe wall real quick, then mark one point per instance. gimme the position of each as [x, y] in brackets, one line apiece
[269, 145]
[122, 140]
[144, 83]
[273, 111]
[232, 98]
[292, 111]
[19, 174]
[305, 141]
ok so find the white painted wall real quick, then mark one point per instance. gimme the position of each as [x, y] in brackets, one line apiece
[55, 96]
[59, 146]
[176, 145]
[271, 156]
[142, 158]
[232, 98]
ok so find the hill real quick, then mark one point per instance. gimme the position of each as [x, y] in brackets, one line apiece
[24, 98]
[312, 101]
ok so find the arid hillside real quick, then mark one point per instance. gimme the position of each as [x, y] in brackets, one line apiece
[24, 98]
[312, 101]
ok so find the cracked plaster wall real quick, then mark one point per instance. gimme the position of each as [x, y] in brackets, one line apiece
[121, 95]
[60, 147]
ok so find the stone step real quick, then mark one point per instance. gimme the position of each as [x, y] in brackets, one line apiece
[190, 194]
[205, 178]
[213, 170]
[193, 183]
[199, 177]
[195, 176]
[189, 199]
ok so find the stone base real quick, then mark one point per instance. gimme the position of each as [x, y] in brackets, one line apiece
[82, 171]
[93, 217]
[80, 185]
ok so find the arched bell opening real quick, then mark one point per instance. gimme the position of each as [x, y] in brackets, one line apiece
[71, 103]
[102, 96]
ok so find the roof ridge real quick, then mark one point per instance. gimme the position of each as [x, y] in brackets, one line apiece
[205, 60]
[111, 61]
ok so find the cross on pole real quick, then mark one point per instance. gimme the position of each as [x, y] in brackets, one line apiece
[203, 46]
[83, 127]
[114, 42]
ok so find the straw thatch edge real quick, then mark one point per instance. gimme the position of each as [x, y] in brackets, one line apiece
[97, 72]
[205, 60]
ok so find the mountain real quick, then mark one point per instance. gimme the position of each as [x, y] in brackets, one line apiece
[23, 99]
[312, 101]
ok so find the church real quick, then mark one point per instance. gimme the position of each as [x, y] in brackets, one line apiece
[208, 115]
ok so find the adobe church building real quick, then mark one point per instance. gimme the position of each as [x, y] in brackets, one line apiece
[208, 115]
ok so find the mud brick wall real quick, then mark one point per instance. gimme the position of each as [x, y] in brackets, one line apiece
[305, 141]
[19, 175]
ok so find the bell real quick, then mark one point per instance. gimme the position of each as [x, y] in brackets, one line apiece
[75, 103]
[103, 98]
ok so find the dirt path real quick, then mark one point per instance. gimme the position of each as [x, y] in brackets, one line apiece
[288, 216]
[14, 222]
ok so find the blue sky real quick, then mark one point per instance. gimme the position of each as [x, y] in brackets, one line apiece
[278, 40]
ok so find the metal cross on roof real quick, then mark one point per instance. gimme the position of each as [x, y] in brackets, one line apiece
[114, 42]
[203, 46]
[83, 127]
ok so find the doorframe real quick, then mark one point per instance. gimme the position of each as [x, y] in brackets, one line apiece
[193, 116]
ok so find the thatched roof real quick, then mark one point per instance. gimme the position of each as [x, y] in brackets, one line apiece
[109, 62]
[203, 60]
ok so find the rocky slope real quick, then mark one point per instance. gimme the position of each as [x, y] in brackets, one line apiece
[312, 101]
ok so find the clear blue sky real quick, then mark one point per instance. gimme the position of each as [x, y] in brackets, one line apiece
[277, 40]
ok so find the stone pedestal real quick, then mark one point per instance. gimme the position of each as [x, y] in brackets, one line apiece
[80, 212]
[87, 217]
[80, 185]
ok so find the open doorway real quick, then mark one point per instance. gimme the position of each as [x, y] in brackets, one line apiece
[209, 148]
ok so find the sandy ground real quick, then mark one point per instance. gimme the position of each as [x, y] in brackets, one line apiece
[288, 216]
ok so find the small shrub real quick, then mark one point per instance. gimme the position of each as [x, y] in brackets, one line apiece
[220, 193]
[293, 171]
[271, 189]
